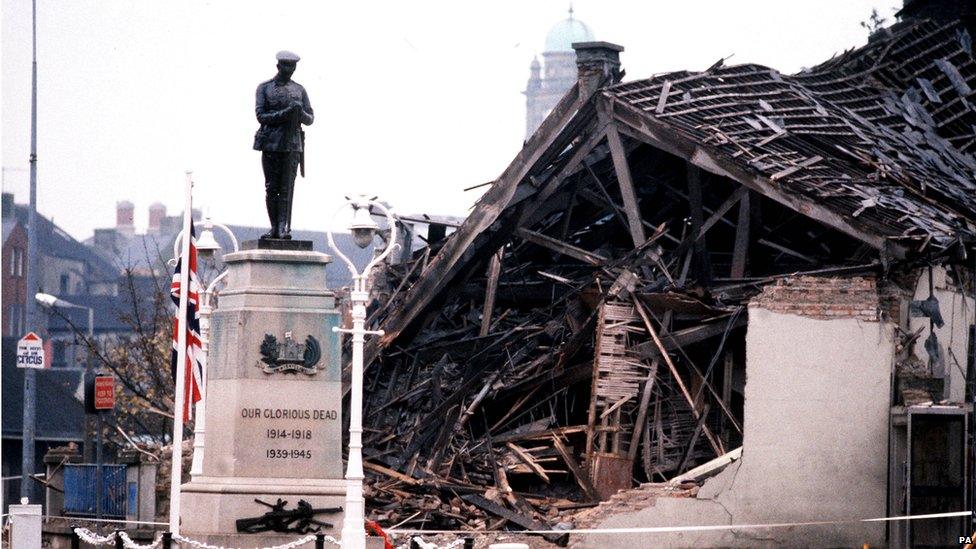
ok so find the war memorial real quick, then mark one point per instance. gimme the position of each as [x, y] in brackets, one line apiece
[272, 462]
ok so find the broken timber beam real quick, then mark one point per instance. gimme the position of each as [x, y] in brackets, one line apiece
[511, 516]
[626, 183]
[688, 336]
[716, 445]
[494, 270]
[578, 474]
[699, 253]
[528, 461]
[558, 246]
[690, 449]
[740, 250]
[642, 410]
[702, 228]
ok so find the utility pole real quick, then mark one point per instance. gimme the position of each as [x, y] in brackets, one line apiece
[30, 374]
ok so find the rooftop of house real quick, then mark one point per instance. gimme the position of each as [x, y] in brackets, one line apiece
[143, 252]
[55, 242]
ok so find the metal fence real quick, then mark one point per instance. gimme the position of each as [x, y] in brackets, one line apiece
[80, 490]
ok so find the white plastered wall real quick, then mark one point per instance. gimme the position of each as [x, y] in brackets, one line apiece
[815, 447]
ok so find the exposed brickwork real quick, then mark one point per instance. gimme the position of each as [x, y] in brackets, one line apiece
[893, 300]
[822, 297]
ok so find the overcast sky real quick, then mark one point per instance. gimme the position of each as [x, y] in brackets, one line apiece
[414, 100]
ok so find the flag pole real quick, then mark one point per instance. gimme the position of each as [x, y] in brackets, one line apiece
[176, 475]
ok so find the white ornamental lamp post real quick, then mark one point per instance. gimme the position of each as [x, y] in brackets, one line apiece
[207, 248]
[363, 230]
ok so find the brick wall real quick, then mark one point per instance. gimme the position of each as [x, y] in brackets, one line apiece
[14, 284]
[822, 297]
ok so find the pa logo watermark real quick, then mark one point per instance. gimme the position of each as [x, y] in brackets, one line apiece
[966, 540]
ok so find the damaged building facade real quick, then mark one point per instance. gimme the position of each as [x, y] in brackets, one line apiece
[723, 297]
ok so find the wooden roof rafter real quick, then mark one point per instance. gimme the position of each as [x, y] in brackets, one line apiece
[662, 136]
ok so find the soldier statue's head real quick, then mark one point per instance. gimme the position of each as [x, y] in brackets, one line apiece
[287, 62]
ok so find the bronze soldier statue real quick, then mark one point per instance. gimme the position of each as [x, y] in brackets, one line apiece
[282, 106]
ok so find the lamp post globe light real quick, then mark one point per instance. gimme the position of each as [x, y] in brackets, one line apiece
[207, 245]
[363, 230]
[207, 248]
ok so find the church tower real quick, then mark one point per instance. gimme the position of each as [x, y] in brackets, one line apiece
[550, 81]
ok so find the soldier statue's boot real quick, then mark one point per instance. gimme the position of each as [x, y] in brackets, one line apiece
[272, 206]
[287, 217]
[284, 226]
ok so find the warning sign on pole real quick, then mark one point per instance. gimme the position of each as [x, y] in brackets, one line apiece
[104, 392]
[30, 351]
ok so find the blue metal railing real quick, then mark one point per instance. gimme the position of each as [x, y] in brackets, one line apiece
[79, 490]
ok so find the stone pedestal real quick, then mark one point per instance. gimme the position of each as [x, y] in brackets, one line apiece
[274, 397]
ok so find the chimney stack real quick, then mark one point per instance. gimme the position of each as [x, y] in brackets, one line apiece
[157, 213]
[124, 214]
[596, 62]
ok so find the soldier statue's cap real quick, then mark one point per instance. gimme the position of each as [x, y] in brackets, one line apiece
[286, 56]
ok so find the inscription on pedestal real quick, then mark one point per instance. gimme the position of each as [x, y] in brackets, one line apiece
[278, 427]
[293, 438]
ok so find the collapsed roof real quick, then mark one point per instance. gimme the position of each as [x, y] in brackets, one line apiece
[876, 143]
[606, 270]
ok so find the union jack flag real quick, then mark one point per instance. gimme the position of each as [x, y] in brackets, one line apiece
[193, 369]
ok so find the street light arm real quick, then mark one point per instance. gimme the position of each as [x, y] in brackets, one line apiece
[179, 239]
[213, 285]
[226, 229]
[349, 264]
[391, 242]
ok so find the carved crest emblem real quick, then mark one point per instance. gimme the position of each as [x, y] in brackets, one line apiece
[290, 355]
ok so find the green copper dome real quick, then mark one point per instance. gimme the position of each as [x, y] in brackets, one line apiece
[564, 33]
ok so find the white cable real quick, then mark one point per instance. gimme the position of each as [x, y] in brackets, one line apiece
[107, 521]
[93, 539]
[662, 529]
